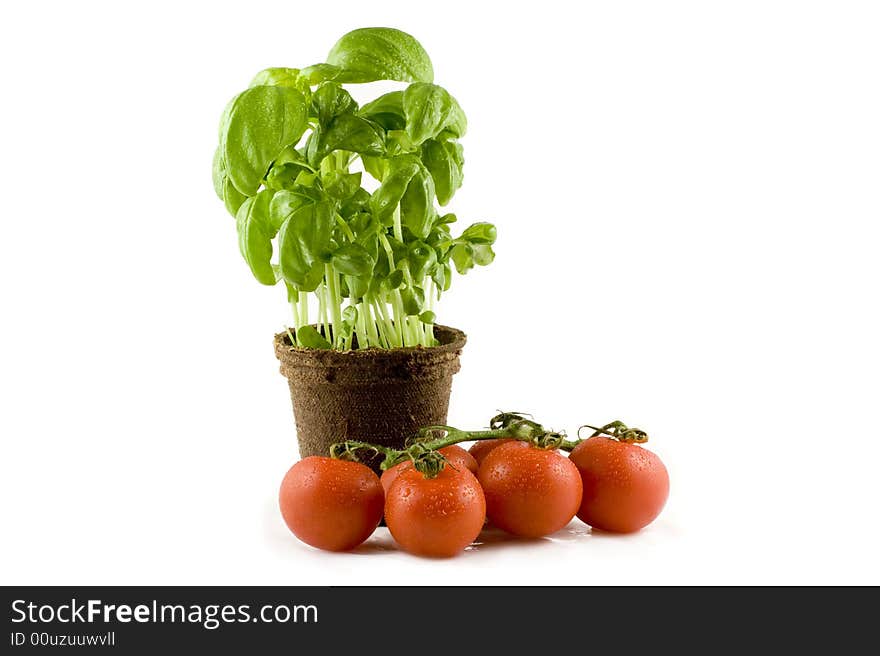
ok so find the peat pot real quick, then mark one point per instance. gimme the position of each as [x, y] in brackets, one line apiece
[376, 395]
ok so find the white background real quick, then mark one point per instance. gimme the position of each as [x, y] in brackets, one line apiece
[687, 200]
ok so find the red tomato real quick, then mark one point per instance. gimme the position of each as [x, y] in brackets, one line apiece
[530, 492]
[390, 475]
[435, 516]
[625, 485]
[459, 458]
[455, 456]
[331, 504]
[482, 448]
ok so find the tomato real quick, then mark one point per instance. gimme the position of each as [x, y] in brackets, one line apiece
[460, 459]
[455, 456]
[530, 492]
[482, 448]
[625, 485]
[331, 504]
[435, 516]
[390, 475]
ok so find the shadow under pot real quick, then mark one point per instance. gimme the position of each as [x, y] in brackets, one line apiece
[382, 396]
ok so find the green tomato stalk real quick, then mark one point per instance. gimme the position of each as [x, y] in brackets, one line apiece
[423, 449]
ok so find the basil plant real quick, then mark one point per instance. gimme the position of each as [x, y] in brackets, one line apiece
[295, 150]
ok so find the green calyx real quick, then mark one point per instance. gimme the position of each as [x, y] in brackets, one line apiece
[430, 463]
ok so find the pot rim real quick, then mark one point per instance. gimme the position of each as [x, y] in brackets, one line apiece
[451, 340]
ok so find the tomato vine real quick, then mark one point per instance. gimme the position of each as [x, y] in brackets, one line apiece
[423, 448]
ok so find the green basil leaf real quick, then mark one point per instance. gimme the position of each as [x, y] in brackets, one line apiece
[314, 278]
[304, 243]
[421, 259]
[427, 108]
[480, 233]
[254, 240]
[369, 239]
[394, 280]
[442, 277]
[341, 186]
[313, 147]
[232, 197]
[428, 317]
[463, 257]
[284, 176]
[439, 239]
[445, 161]
[329, 101]
[308, 337]
[281, 77]
[350, 132]
[447, 272]
[262, 121]
[357, 287]
[316, 236]
[318, 73]
[483, 254]
[291, 155]
[413, 300]
[417, 204]
[438, 275]
[224, 120]
[380, 53]
[399, 172]
[456, 123]
[292, 292]
[349, 320]
[398, 142]
[386, 110]
[284, 203]
[375, 166]
[218, 172]
[364, 223]
[353, 260]
[357, 203]
[398, 248]
[383, 266]
[306, 179]
[350, 314]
